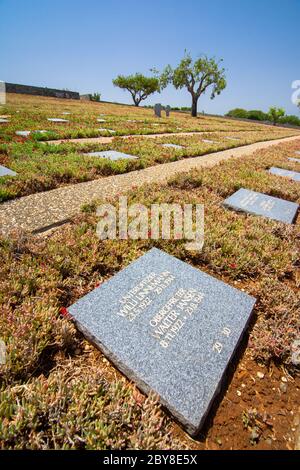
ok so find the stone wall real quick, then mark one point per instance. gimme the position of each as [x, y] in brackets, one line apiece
[40, 91]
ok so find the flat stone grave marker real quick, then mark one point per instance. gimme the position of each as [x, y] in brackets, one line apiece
[293, 175]
[171, 328]
[23, 133]
[101, 120]
[207, 141]
[66, 113]
[3, 120]
[6, 171]
[232, 138]
[255, 203]
[57, 120]
[111, 131]
[111, 155]
[173, 146]
[294, 159]
[297, 152]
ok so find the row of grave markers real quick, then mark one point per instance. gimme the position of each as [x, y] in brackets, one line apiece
[171, 328]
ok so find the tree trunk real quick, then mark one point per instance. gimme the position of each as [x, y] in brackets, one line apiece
[194, 106]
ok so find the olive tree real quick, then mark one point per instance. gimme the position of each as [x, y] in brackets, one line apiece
[139, 86]
[275, 114]
[196, 76]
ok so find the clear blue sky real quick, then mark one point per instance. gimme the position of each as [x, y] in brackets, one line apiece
[82, 44]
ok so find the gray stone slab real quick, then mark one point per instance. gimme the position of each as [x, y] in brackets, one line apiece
[111, 155]
[262, 204]
[157, 110]
[232, 138]
[294, 159]
[171, 328]
[111, 131]
[57, 120]
[293, 175]
[173, 146]
[3, 121]
[6, 171]
[207, 141]
[101, 120]
[23, 133]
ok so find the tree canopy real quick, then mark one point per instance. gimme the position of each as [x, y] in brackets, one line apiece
[275, 114]
[196, 76]
[139, 86]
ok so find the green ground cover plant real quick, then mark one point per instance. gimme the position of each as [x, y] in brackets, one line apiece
[58, 391]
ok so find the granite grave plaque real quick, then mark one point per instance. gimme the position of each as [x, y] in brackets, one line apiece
[3, 121]
[57, 120]
[111, 155]
[157, 110]
[111, 131]
[295, 159]
[171, 328]
[174, 146]
[293, 175]
[23, 133]
[262, 204]
[6, 171]
[207, 141]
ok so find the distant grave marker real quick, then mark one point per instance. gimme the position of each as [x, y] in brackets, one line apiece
[297, 152]
[111, 131]
[293, 175]
[168, 110]
[57, 120]
[261, 204]
[232, 138]
[294, 159]
[111, 155]
[23, 133]
[207, 141]
[6, 171]
[101, 120]
[3, 120]
[157, 110]
[2, 92]
[173, 146]
[171, 328]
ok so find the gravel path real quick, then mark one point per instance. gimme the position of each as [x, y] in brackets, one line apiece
[40, 212]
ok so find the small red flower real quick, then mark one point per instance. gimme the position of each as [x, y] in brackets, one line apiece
[233, 266]
[64, 312]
